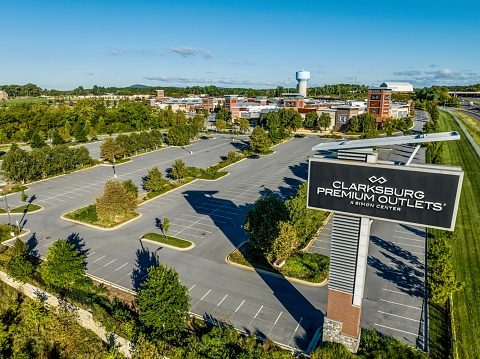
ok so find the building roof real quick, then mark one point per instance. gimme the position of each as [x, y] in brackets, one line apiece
[398, 86]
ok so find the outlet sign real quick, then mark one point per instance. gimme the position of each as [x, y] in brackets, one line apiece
[422, 195]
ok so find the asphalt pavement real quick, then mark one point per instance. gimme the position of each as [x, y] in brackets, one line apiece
[211, 214]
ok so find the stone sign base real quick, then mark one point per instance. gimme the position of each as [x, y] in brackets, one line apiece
[332, 332]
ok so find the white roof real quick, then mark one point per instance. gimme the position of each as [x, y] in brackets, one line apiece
[398, 86]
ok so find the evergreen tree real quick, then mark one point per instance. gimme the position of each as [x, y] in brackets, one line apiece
[154, 181]
[259, 141]
[20, 265]
[163, 303]
[179, 170]
[65, 265]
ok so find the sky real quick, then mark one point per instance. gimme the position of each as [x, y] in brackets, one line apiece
[259, 44]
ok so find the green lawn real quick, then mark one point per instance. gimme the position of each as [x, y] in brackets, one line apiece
[472, 125]
[310, 267]
[28, 208]
[172, 241]
[24, 100]
[88, 215]
[466, 252]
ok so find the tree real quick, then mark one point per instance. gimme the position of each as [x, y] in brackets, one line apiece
[65, 265]
[231, 155]
[262, 220]
[114, 201]
[36, 141]
[244, 125]
[19, 266]
[57, 139]
[305, 220]
[222, 115]
[16, 164]
[178, 135]
[130, 187]
[259, 141]
[110, 150]
[154, 181]
[441, 277]
[220, 125]
[165, 226]
[163, 303]
[311, 119]
[179, 170]
[324, 121]
[283, 244]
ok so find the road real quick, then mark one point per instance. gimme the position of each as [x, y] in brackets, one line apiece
[211, 214]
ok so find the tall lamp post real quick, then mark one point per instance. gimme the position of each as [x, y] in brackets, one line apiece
[113, 164]
[12, 233]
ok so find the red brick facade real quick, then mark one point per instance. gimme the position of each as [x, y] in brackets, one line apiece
[340, 308]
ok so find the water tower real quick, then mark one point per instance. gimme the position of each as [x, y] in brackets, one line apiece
[302, 78]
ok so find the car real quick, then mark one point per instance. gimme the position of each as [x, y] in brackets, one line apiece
[205, 138]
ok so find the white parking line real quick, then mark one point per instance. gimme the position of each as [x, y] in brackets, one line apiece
[410, 245]
[411, 239]
[295, 331]
[399, 316]
[98, 259]
[119, 267]
[226, 295]
[206, 294]
[256, 315]
[89, 254]
[274, 323]
[403, 305]
[398, 330]
[193, 286]
[396, 292]
[236, 310]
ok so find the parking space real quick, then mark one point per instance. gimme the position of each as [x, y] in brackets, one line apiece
[252, 317]
[322, 243]
[399, 262]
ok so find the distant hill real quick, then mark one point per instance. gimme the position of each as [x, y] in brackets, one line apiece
[138, 86]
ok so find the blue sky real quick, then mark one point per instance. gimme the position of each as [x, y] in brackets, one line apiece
[259, 44]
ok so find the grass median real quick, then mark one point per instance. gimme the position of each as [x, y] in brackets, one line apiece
[23, 209]
[171, 241]
[466, 258]
[88, 215]
[310, 267]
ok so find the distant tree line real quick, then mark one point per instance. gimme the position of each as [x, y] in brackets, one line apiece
[84, 119]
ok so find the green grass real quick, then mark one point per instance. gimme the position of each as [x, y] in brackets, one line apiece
[472, 125]
[14, 189]
[24, 100]
[466, 251]
[171, 241]
[310, 267]
[88, 215]
[439, 331]
[23, 209]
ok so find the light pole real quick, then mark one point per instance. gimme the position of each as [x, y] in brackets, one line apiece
[12, 233]
[113, 164]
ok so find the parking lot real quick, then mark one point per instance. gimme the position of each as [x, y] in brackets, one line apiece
[211, 214]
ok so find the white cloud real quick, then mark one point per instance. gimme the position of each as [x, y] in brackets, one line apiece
[185, 51]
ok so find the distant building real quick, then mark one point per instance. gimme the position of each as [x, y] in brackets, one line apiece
[3, 95]
[293, 100]
[231, 105]
[398, 86]
[160, 95]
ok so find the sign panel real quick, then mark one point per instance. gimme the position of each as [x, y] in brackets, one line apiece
[425, 196]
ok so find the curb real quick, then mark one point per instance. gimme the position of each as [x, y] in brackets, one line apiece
[22, 214]
[192, 245]
[290, 279]
[7, 242]
[309, 244]
[96, 227]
